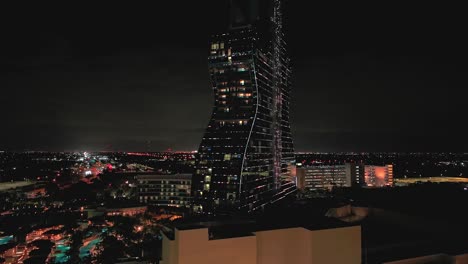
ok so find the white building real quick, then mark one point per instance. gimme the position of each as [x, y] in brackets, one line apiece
[165, 190]
[318, 177]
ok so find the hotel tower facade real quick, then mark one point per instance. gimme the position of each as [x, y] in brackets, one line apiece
[245, 158]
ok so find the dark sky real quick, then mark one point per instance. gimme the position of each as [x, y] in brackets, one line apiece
[133, 77]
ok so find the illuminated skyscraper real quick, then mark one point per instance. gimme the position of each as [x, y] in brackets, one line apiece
[247, 150]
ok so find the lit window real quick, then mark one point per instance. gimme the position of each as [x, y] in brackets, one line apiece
[242, 82]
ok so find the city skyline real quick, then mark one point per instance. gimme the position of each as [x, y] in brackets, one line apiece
[134, 84]
[240, 131]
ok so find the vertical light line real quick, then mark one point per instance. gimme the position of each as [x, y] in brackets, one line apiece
[251, 128]
[277, 96]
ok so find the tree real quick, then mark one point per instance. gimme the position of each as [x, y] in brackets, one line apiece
[109, 250]
[42, 243]
[124, 226]
[76, 243]
[152, 247]
[51, 189]
[39, 255]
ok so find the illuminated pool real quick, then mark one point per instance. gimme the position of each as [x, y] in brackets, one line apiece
[61, 251]
[61, 257]
[63, 248]
[6, 239]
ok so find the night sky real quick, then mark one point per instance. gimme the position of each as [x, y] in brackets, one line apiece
[135, 78]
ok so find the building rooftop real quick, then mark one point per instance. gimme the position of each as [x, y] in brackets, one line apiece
[243, 227]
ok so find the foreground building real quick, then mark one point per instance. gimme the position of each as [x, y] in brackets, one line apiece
[246, 153]
[281, 245]
[165, 190]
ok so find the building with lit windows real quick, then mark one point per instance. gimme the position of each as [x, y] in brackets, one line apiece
[165, 190]
[246, 153]
[378, 176]
[325, 177]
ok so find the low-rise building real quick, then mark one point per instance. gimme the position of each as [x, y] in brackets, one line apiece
[165, 190]
[325, 177]
[126, 211]
[316, 177]
[378, 176]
